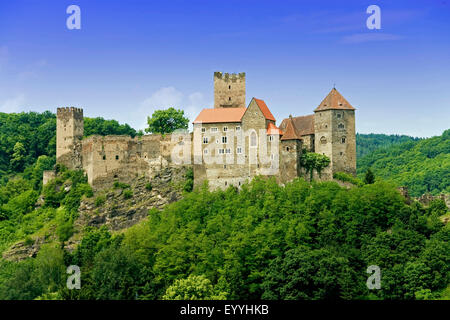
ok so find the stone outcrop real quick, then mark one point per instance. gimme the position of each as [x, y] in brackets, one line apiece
[119, 212]
[24, 249]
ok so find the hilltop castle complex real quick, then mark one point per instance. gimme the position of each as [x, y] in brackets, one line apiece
[230, 144]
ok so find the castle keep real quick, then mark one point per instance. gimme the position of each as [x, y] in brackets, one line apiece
[230, 144]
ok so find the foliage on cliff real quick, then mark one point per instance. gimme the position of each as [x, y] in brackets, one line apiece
[421, 165]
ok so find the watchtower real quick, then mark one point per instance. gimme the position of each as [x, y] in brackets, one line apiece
[334, 126]
[69, 132]
[229, 90]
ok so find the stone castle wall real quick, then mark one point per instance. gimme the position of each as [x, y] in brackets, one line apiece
[122, 158]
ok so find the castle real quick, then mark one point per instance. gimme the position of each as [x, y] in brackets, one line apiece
[230, 143]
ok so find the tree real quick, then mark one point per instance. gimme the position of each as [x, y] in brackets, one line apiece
[192, 288]
[167, 121]
[18, 158]
[369, 178]
[313, 161]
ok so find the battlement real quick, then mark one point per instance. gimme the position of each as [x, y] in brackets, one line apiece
[64, 112]
[229, 76]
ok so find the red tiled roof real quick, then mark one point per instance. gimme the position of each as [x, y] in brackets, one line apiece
[220, 115]
[273, 129]
[290, 133]
[303, 124]
[264, 109]
[334, 100]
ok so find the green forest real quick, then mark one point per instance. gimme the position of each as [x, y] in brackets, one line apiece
[304, 240]
[421, 165]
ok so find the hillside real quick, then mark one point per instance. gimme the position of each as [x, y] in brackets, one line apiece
[159, 239]
[421, 165]
[367, 143]
[299, 241]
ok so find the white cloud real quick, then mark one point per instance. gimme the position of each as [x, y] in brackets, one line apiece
[165, 98]
[13, 104]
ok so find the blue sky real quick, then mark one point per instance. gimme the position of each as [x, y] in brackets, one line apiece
[132, 57]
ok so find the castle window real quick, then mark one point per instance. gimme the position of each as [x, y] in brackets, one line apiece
[253, 142]
[239, 183]
[341, 126]
[214, 129]
[287, 149]
[229, 87]
[326, 126]
[343, 140]
[203, 130]
[104, 157]
[205, 140]
[229, 98]
[271, 138]
[225, 129]
[224, 166]
[226, 183]
[238, 128]
[228, 150]
[117, 157]
[341, 153]
[339, 115]
[238, 150]
[224, 139]
[221, 151]
[205, 151]
[323, 140]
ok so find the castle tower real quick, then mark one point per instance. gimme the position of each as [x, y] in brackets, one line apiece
[334, 126]
[229, 90]
[69, 132]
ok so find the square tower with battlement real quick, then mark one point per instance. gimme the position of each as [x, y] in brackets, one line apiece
[229, 90]
[69, 132]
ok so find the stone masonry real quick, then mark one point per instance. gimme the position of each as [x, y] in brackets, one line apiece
[231, 143]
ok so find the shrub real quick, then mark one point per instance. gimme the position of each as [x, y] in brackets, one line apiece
[342, 176]
[127, 194]
[100, 200]
[149, 186]
[189, 184]
[121, 185]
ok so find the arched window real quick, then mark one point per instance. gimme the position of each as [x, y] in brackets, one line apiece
[341, 126]
[343, 140]
[323, 140]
